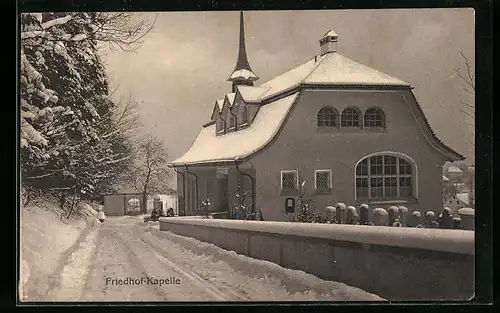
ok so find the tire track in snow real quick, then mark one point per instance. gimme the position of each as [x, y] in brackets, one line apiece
[223, 293]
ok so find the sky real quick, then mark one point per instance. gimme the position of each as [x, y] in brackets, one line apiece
[182, 66]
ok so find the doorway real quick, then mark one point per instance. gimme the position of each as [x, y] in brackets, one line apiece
[223, 195]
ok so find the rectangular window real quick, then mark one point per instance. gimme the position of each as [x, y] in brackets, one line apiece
[244, 115]
[220, 126]
[232, 121]
[289, 180]
[323, 180]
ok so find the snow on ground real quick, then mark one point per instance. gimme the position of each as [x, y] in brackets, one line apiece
[257, 279]
[46, 241]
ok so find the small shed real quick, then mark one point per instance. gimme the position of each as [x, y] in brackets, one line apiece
[120, 204]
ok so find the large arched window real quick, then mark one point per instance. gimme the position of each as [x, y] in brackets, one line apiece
[350, 118]
[385, 176]
[374, 117]
[327, 117]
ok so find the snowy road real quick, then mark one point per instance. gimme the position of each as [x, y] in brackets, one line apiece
[134, 261]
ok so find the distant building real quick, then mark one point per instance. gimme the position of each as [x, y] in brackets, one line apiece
[454, 174]
[120, 204]
[458, 201]
[351, 133]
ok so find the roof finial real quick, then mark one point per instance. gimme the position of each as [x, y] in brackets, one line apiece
[328, 43]
[242, 74]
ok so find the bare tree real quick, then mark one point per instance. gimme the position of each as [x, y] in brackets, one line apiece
[123, 30]
[467, 75]
[306, 199]
[149, 174]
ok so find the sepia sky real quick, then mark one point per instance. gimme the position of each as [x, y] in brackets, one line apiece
[182, 66]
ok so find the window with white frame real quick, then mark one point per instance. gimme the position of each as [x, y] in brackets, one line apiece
[323, 180]
[289, 180]
[384, 177]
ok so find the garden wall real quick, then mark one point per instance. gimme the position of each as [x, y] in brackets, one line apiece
[396, 263]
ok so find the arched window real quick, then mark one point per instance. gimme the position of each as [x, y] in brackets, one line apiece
[384, 177]
[327, 117]
[374, 117]
[350, 118]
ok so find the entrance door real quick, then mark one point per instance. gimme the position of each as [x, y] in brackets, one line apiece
[224, 200]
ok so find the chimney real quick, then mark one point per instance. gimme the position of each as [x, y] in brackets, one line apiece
[328, 43]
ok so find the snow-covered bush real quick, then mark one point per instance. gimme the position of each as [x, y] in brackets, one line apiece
[364, 214]
[330, 213]
[380, 217]
[351, 215]
[430, 217]
[341, 210]
[307, 213]
[392, 214]
[402, 213]
[467, 218]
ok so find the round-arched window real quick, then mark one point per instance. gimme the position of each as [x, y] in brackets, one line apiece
[374, 117]
[350, 118]
[385, 177]
[327, 117]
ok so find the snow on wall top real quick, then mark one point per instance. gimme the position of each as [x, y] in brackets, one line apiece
[210, 148]
[442, 240]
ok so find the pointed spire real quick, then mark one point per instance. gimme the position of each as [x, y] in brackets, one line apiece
[242, 73]
[242, 62]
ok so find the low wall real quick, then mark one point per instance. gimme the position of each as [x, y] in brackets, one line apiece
[393, 262]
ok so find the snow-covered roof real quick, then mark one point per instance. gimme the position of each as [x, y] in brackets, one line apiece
[251, 93]
[464, 197]
[454, 169]
[330, 33]
[445, 178]
[336, 69]
[230, 98]
[243, 74]
[220, 104]
[210, 148]
[331, 69]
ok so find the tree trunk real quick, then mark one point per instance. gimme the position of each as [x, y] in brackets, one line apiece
[144, 203]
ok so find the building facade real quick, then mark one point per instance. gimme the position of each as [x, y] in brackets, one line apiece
[331, 129]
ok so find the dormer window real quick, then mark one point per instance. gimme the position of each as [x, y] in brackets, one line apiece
[221, 125]
[232, 121]
[244, 115]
